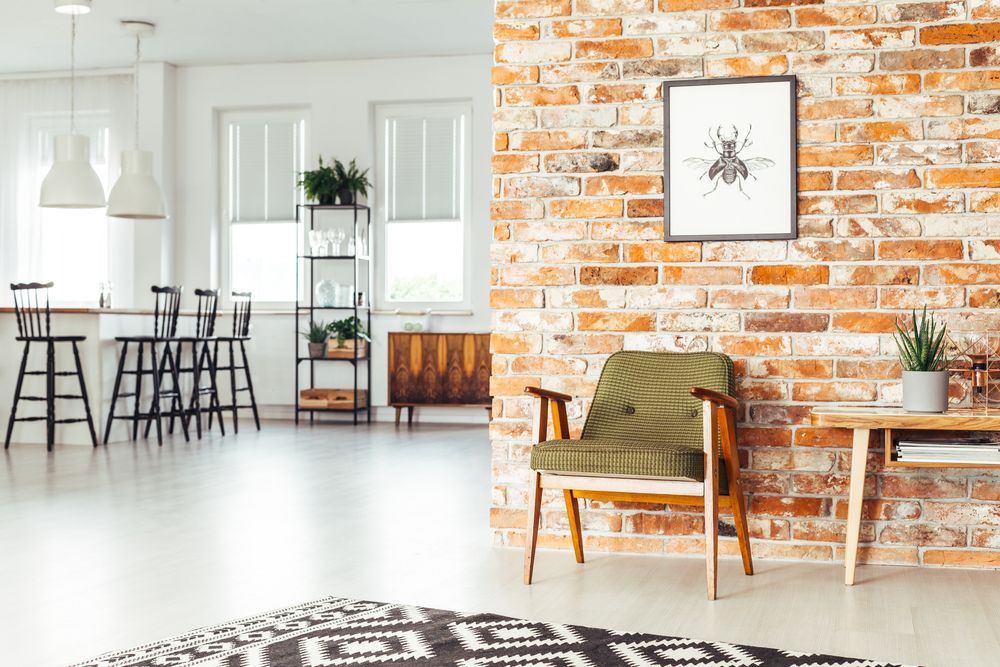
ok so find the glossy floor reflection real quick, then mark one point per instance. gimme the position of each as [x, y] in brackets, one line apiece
[108, 548]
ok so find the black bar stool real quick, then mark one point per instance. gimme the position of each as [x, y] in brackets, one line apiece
[202, 360]
[31, 329]
[241, 334]
[165, 314]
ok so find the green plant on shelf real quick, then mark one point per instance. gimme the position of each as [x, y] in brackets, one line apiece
[348, 328]
[352, 181]
[922, 345]
[318, 332]
[322, 184]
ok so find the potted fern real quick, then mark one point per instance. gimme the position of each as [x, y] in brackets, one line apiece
[351, 182]
[922, 353]
[322, 184]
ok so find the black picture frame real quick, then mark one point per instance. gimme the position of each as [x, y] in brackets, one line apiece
[792, 232]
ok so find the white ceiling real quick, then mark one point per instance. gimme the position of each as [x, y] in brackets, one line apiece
[200, 32]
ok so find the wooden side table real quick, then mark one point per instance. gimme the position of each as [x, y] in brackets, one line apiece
[864, 420]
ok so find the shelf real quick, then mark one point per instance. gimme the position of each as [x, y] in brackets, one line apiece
[335, 207]
[360, 258]
[351, 359]
[360, 408]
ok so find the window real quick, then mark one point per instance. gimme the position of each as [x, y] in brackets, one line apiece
[422, 203]
[262, 159]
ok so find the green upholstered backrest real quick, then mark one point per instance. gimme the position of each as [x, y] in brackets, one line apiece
[647, 395]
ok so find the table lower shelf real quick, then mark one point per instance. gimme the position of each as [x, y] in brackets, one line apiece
[892, 462]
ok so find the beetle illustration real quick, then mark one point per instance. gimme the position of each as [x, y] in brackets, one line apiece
[729, 165]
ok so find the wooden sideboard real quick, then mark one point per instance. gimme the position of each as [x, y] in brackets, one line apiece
[438, 369]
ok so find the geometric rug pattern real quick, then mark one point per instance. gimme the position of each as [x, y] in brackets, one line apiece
[338, 631]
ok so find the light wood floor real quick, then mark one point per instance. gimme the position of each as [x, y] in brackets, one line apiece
[108, 548]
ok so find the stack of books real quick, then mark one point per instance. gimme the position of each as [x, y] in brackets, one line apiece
[966, 451]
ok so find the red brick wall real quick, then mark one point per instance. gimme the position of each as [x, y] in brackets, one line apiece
[899, 192]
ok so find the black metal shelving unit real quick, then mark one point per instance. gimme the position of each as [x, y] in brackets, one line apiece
[306, 308]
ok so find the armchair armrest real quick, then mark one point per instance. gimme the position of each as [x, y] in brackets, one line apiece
[723, 400]
[548, 393]
[540, 420]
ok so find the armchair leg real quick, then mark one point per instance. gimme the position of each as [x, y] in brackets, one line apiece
[575, 529]
[711, 541]
[737, 499]
[710, 428]
[740, 521]
[531, 534]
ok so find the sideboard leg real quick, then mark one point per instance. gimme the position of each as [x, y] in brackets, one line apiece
[859, 459]
[399, 411]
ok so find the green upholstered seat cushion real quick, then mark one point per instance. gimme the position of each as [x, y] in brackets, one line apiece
[622, 458]
[643, 420]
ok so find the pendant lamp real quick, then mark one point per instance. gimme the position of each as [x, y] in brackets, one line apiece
[72, 181]
[136, 195]
[73, 6]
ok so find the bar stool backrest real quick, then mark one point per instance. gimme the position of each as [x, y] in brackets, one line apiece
[241, 314]
[168, 308]
[208, 308]
[28, 309]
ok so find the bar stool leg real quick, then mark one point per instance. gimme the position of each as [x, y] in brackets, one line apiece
[232, 388]
[17, 394]
[246, 373]
[177, 403]
[195, 404]
[83, 393]
[214, 405]
[161, 369]
[50, 395]
[114, 393]
[215, 355]
[154, 409]
[138, 388]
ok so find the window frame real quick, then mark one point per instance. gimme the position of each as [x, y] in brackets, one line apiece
[382, 112]
[225, 118]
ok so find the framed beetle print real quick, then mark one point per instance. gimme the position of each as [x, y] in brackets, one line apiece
[729, 159]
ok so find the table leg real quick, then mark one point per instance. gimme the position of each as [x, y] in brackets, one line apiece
[859, 459]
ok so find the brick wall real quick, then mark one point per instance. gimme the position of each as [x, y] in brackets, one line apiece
[899, 187]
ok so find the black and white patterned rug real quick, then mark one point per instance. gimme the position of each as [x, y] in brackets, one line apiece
[337, 631]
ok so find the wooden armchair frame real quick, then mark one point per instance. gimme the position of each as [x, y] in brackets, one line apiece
[719, 411]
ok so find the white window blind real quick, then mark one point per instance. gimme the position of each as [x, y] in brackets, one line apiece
[265, 163]
[423, 186]
[262, 162]
[425, 156]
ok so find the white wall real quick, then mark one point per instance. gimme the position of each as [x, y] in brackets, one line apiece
[340, 97]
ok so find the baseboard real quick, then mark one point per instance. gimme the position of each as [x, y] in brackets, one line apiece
[385, 413]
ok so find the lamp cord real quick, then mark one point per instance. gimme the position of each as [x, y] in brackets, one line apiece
[72, 75]
[135, 86]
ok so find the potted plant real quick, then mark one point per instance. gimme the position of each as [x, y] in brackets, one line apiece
[316, 335]
[349, 332]
[922, 353]
[351, 182]
[322, 184]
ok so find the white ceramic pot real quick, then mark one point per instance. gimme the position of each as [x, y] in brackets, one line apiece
[925, 391]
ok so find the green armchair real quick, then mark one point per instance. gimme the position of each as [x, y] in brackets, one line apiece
[661, 429]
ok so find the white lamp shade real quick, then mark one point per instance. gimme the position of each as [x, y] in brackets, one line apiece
[73, 6]
[72, 181]
[136, 195]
